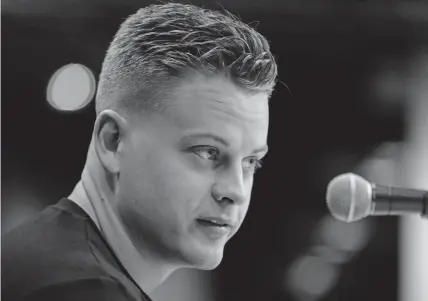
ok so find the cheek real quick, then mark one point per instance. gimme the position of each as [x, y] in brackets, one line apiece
[163, 179]
[243, 209]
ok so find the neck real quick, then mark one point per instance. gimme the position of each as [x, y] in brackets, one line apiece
[94, 195]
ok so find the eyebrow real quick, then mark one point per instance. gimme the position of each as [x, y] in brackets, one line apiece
[264, 148]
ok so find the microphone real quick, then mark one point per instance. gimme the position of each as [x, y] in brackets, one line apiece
[351, 198]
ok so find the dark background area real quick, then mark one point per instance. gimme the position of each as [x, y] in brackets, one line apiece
[327, 55]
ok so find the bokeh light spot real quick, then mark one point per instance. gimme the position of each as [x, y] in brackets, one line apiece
[310, 277]
[71, 87]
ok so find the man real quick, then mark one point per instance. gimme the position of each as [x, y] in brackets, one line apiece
[181, 127]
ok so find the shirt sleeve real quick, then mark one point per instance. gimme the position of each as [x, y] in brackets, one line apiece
[93, 289]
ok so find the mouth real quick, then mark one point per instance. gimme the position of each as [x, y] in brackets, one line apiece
[213, 223]
[214, 228]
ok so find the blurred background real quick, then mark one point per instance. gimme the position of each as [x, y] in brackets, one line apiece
[358, 74]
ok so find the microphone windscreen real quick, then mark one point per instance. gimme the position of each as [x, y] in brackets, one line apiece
[349, 197]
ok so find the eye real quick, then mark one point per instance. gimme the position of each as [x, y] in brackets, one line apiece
[254, 164]
[206, 152]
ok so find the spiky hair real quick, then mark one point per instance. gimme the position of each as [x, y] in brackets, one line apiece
[157, 44]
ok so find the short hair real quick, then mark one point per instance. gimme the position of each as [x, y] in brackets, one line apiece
[154, 47]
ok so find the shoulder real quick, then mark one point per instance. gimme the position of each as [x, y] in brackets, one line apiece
[50, 238]
[88, 289]
[58, 256]
[47, 253]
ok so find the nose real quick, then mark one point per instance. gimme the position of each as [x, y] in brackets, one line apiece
[231, 186]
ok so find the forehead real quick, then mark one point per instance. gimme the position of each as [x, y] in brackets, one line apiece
[214, 101]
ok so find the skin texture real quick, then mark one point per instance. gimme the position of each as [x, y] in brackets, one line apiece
[170, 178]
[151, 178]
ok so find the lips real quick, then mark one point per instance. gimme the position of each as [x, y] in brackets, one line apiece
[215, 228]
[212, 223]
[215, 221]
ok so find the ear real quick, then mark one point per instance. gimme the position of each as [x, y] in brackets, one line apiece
[109, 133]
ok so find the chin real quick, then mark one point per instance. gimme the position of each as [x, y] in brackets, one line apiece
[205, 259]
[208, 265]
[211, 267]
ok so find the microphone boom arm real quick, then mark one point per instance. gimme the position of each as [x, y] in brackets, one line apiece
[396, 201]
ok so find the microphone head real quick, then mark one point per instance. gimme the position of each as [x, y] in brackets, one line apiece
[349, 197]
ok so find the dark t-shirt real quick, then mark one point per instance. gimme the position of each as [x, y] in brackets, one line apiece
[61, 255]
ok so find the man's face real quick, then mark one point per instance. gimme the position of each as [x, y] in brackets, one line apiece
[189, 170]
